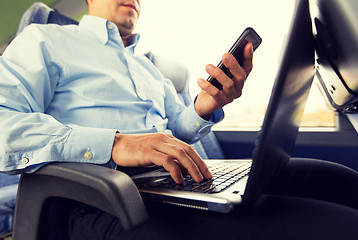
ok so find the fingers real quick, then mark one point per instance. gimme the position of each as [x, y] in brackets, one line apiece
[237, 71]
[220, 75]
[186, 156]
[248, 57]
[208, 87]
[162, 150]
[240, 72]
[232, 87]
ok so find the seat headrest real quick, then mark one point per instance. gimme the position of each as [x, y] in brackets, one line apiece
[36, 13]
[177, 72]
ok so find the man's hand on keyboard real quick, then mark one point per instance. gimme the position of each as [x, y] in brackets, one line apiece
[131, 150]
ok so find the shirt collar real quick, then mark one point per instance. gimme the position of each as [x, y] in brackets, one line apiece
[104, 30]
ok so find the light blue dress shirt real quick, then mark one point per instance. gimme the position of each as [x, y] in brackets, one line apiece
[66, 90]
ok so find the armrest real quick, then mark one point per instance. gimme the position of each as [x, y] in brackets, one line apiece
[106, 189]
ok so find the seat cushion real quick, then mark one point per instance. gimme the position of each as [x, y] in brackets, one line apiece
[7, 207]
[6, 180]
[8, 190]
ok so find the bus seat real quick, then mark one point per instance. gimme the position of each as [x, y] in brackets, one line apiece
[336, 50]
[107, 189]
[8, 189]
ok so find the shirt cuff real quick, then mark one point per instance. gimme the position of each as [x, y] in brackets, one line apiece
[198, 127]
[89, 145]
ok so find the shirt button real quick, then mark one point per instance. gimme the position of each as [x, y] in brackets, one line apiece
[134, 73]
[197, 124]
[110, 26]
[25, 160]
[88, 155]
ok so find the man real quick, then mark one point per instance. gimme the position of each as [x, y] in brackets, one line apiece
[76, 92]
[79, 93]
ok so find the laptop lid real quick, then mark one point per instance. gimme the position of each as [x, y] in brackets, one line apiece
[286, 106]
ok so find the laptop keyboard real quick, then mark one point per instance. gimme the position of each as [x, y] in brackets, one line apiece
[225, 173]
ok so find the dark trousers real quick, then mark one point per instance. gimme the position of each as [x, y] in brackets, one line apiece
[310, 199]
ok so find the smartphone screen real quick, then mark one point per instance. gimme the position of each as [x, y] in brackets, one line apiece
[248, 36]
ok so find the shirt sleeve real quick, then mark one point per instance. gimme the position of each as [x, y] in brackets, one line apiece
[30, 138]
[184, 121]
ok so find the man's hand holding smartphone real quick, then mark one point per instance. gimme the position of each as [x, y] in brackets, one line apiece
[227, 79]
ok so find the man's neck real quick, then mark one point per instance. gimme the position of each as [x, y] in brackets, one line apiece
[127, 39]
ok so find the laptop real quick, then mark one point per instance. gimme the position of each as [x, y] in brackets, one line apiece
[240, 181]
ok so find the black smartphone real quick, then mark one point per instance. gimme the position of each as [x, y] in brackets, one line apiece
[248, 36]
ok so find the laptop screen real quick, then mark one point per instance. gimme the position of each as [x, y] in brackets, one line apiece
[286, 106]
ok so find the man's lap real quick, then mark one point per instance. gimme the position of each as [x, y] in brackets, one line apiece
[271, 217]
[317, 179]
